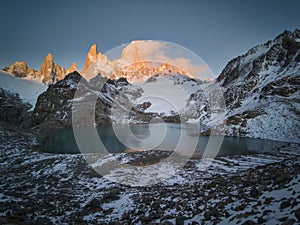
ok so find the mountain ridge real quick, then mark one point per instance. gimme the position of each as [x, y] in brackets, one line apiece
[261, 92]
[132, 64]
[49, 72]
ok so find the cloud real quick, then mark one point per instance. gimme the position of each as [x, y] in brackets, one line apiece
[165, 52]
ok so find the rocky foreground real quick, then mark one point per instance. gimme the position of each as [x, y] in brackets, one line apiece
[42, 188]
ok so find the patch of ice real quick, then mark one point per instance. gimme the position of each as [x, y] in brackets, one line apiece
[120, 206]
[142, 175]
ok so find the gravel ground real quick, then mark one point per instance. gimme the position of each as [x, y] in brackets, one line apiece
[43, 188]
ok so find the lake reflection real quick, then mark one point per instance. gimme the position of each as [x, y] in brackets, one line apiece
[121, 138]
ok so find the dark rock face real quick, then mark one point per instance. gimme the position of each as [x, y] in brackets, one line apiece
[264, 82]
[139, 116]
[54, 107]
[13, 110]
[92, 99]
[297, 214]
[99, 101]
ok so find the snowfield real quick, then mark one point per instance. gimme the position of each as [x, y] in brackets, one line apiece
[27, 89]
[166, 94]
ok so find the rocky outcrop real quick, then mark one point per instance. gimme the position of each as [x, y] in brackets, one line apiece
[254, 189]
[91, 57]
[54, 107]
[13, 110]
[118, 96]
[21, 70]
[94, 56]
[96, 98]
[97, 63]
[51, 72]
[72, 68]
[261, 90]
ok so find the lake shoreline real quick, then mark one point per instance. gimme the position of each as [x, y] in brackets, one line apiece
[180, 138]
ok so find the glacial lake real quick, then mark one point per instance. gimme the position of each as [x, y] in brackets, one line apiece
[124, 138]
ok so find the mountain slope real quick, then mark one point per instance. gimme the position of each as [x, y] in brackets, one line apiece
[74, 97]
[174, 94]
[28, 90]
[261, 90]
[119, 101]
[17, 99]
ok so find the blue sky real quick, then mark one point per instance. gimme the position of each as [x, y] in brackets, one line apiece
[215, 30]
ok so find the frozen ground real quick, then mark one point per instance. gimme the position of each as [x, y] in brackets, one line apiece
[42, 188]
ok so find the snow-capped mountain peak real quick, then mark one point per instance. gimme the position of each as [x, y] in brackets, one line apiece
[261, 89]
[136, 62]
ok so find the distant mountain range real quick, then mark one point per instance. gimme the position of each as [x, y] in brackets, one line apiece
[49, 72]
[132, 65]
[261, 91]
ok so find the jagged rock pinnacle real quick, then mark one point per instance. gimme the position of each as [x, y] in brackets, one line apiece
[20, 69]
[91, 57]
[51, 72]
[47, 64]
[93, 50]
[72, 68]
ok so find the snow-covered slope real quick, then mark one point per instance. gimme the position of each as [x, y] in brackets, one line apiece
[28, 90]
[172, 94]
[261, 90]
[164, 94]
